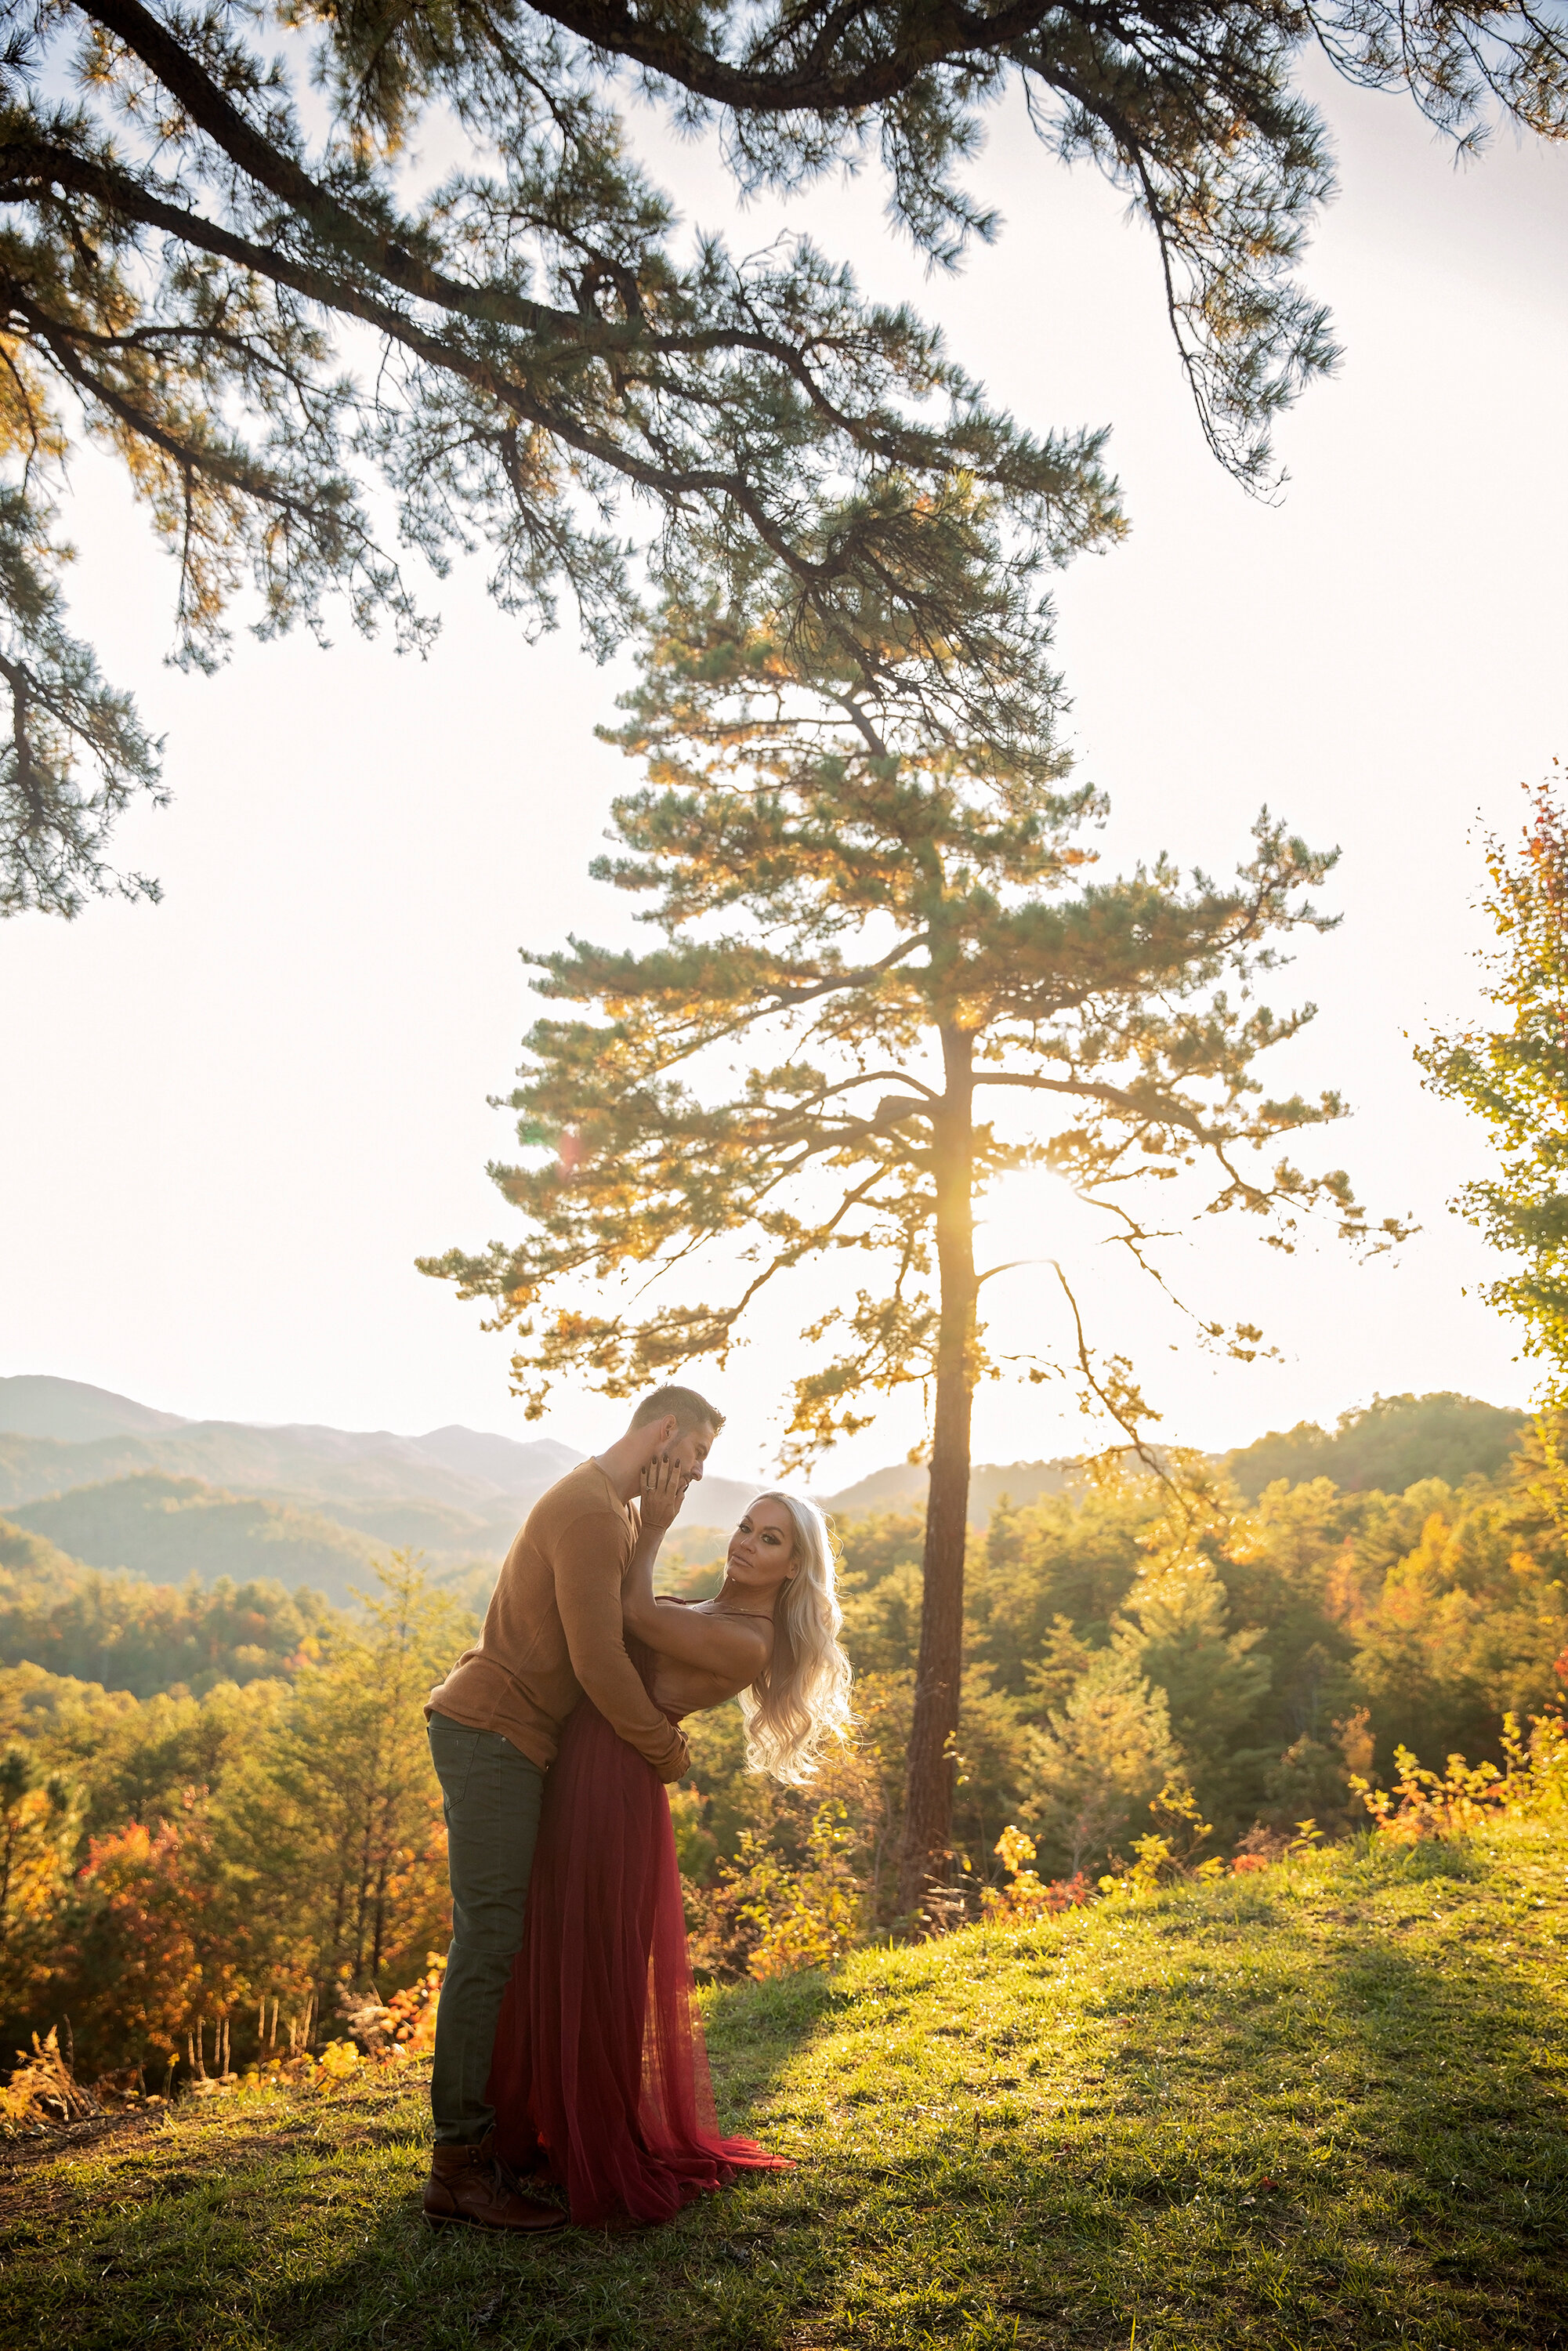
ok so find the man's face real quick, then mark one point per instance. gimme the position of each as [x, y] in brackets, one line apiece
[689, 1448]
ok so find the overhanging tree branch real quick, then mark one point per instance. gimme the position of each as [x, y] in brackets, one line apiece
[546, 346]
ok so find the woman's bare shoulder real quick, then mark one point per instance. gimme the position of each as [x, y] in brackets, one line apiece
[759, 1626]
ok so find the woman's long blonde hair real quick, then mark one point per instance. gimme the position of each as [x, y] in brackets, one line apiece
[802, 1696]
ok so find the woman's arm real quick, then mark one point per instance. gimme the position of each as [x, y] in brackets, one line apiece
[664, 1490]
[721, 1644]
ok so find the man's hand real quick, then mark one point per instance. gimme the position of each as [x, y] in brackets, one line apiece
[665, 1487]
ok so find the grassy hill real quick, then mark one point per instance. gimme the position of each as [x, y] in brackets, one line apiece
[1323, 2105]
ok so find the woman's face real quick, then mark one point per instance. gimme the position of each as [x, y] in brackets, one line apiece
[762, 1548]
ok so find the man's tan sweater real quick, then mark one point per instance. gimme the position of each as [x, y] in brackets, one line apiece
[552, 1632]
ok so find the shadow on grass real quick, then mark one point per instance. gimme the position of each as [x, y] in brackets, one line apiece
[1365, 2144]
[1461, 2111]
[755, 2030]
[714, 2275]
[1297, 2114]
[302, 2227]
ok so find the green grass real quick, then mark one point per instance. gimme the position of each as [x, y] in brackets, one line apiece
[1323, 2105]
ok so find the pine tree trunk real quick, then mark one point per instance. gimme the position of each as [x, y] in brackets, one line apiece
[928, 1796]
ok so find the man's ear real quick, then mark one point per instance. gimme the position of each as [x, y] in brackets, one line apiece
[669, 1429]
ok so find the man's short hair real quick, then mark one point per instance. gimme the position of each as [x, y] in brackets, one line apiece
[691, 1410]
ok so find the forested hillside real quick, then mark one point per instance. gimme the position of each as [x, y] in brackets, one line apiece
[128, 1635]
[1388, 1443]
[1114, 1651]
[167, 1528]
[224, 1847]
[217, 1805]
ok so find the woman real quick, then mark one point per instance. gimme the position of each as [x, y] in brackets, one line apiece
[600, 2076]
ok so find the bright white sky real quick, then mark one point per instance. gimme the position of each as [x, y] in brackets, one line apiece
[234, 1120]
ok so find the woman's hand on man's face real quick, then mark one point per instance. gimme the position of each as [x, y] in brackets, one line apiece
[665, 1486]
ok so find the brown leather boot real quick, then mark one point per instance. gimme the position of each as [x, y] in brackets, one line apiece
[467, 2186]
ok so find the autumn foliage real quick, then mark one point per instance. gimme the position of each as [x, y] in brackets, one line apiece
[206, 1882]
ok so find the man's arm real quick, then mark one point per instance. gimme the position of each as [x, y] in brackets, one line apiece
[588, 1593]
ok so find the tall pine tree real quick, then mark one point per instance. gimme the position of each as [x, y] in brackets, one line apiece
[878, 926]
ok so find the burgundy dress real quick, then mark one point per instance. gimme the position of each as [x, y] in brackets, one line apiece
[599, 2073]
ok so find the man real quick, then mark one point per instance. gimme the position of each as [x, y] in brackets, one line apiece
[552, 1634]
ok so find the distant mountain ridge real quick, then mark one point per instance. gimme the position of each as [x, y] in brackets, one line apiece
[36, 1404]
[456, 1494]
[456, 1463]
[904, 1486]
[121, 1485]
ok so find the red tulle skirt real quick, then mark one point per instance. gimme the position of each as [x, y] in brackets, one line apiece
[599, 2072]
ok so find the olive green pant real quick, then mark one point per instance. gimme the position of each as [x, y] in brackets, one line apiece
[491, 1795]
